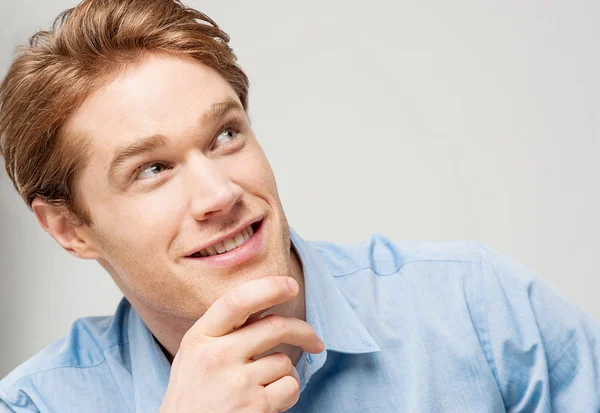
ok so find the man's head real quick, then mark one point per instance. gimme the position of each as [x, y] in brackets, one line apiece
[125, 129]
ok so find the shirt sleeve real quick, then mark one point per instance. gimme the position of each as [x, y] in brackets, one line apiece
[543, 349]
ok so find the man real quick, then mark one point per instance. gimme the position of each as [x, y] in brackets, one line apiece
[124, 128]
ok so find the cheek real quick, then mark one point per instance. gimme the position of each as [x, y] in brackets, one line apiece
[252, 170]
[157, 214]
[145, 222]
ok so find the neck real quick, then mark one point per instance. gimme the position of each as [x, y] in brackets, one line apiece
[169, 333]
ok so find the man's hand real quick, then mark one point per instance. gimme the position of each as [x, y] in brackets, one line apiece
[215, 370]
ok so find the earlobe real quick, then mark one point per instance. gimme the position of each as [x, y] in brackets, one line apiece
[61, 226]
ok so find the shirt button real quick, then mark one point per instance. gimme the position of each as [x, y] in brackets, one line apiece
[308, 358]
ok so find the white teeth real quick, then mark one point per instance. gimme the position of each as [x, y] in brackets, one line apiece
[220, 247]
[228, 244]
[239, 239]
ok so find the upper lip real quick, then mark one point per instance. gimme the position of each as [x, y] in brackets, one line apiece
[230, 234]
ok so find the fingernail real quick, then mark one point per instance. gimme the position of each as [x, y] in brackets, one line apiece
[292, 284]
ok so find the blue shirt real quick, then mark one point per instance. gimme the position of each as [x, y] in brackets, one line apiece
[408, 327]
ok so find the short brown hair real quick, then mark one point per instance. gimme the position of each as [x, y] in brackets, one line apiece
[85, 48]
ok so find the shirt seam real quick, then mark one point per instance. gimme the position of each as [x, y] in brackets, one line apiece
[368, 267]
[57, 368]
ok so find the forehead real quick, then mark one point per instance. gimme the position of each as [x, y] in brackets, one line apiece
[162, 94]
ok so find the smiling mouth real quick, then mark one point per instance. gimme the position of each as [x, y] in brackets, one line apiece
[229, 244]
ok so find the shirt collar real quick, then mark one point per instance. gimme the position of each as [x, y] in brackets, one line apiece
[150, 368]
[327, 311]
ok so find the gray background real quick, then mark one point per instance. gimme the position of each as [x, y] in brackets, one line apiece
[419, 120]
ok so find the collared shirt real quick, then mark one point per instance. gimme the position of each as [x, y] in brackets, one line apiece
[408, 327]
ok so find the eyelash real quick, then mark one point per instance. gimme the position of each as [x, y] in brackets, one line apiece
[236, 124]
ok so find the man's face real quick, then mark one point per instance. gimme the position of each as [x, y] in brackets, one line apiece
[175, 166]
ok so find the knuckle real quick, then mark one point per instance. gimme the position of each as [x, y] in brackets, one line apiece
[277, 285]
[285, 362]
[240, 379]
[233, 302]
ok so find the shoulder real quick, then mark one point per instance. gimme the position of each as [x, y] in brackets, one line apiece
[65, 363]
[384, 256]
[380, 255]
[430, 273]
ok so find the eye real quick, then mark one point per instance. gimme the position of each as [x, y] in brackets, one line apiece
[151, 170]
[228, 133]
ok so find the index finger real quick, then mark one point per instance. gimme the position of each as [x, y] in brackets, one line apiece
[234, 307]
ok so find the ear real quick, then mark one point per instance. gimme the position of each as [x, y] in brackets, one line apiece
[60, 224]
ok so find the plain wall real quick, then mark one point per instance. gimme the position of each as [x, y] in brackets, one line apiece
[418, 120]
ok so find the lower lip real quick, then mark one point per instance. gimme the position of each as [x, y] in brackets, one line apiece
[247, 251]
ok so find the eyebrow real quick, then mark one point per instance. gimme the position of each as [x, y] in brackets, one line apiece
[153, 142]
[220, 109]
[147, 144]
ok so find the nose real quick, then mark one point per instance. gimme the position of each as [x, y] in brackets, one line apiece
[212, 193]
